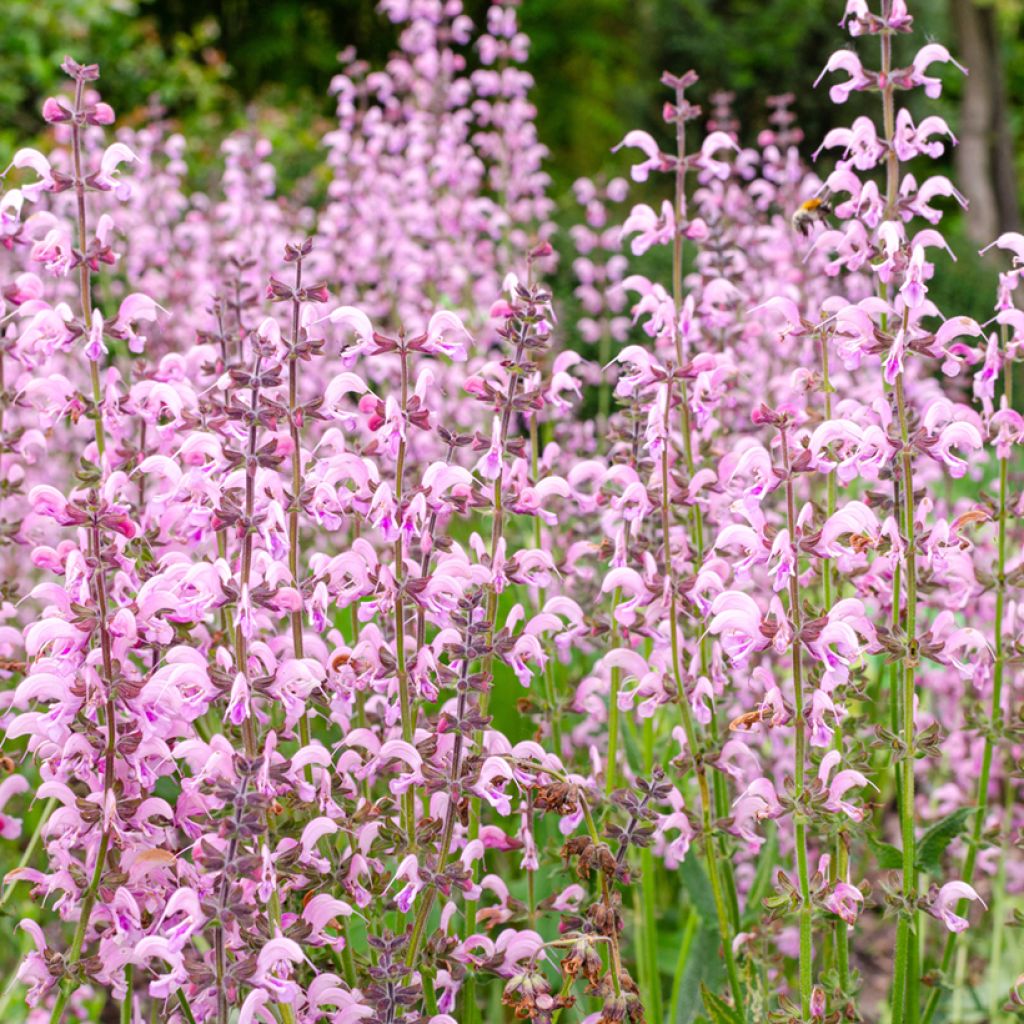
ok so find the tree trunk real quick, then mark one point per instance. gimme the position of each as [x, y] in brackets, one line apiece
[984, 159]
[973, 163]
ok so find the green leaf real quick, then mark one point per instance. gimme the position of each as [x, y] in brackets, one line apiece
[934, 842]
[703, 968]
[888, 857]
[719, 1011]
[698, 888]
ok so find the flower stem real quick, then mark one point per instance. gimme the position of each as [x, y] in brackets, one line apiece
[75, 953]
[800, 825]
[689, 727]
[904, 994]
[404, 697]
[84, 277]
[296, 504]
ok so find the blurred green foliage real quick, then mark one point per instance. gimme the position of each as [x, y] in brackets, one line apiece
[212, 66]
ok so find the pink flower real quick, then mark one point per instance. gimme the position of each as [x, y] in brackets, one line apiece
[946, 901]
[106, 178]
[844, 780]
[845, 902]
[10, 828]
[848, 61]
[656, 160]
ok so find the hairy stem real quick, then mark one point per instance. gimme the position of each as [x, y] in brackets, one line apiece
[800, 825]
[293, 511]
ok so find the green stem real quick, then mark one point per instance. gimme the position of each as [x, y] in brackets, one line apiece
[75, 953]
[404, 696]
[611, 767]
[842, 939]
[127, 1008]
[800, 826]
[550, 688]
[84, 277]
[904, 978]
[293, 511]
[648, 894]
[186, 1009]
[689, 727]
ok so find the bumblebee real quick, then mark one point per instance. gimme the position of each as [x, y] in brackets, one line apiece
[811, 211]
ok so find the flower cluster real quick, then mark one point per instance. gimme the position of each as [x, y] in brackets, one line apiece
[360, 674]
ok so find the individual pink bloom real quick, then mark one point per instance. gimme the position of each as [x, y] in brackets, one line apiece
[745, 539]
[969, 651]
[946, 901]
[54, 112]
[95, 348]
[948, 344]
[915, 75]
[914, 289]
[255, 1010]
[408, 871]
[100, 114]
[758, 802]
[915, 199]
[156, 947]
[985, 378]
[184, 910]
[1011, 240]
[715, 142]
[650, 228]
[10, 828]
[383, 512]
[407, 754]
[134, 308]
[861, 145]
[446, 335]
[822, 709]
[1008, 427]
[35, 161]
[656, 160]
[836, 789]
[845, 901]
[489, 464]
[736, 619]
[893, 362]
[321, 910]
[911, 140]
[959, 434]
[106, 178]
[351, 319]
[274, 967]
[781, 561]
[848, 61]
[238, 703]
